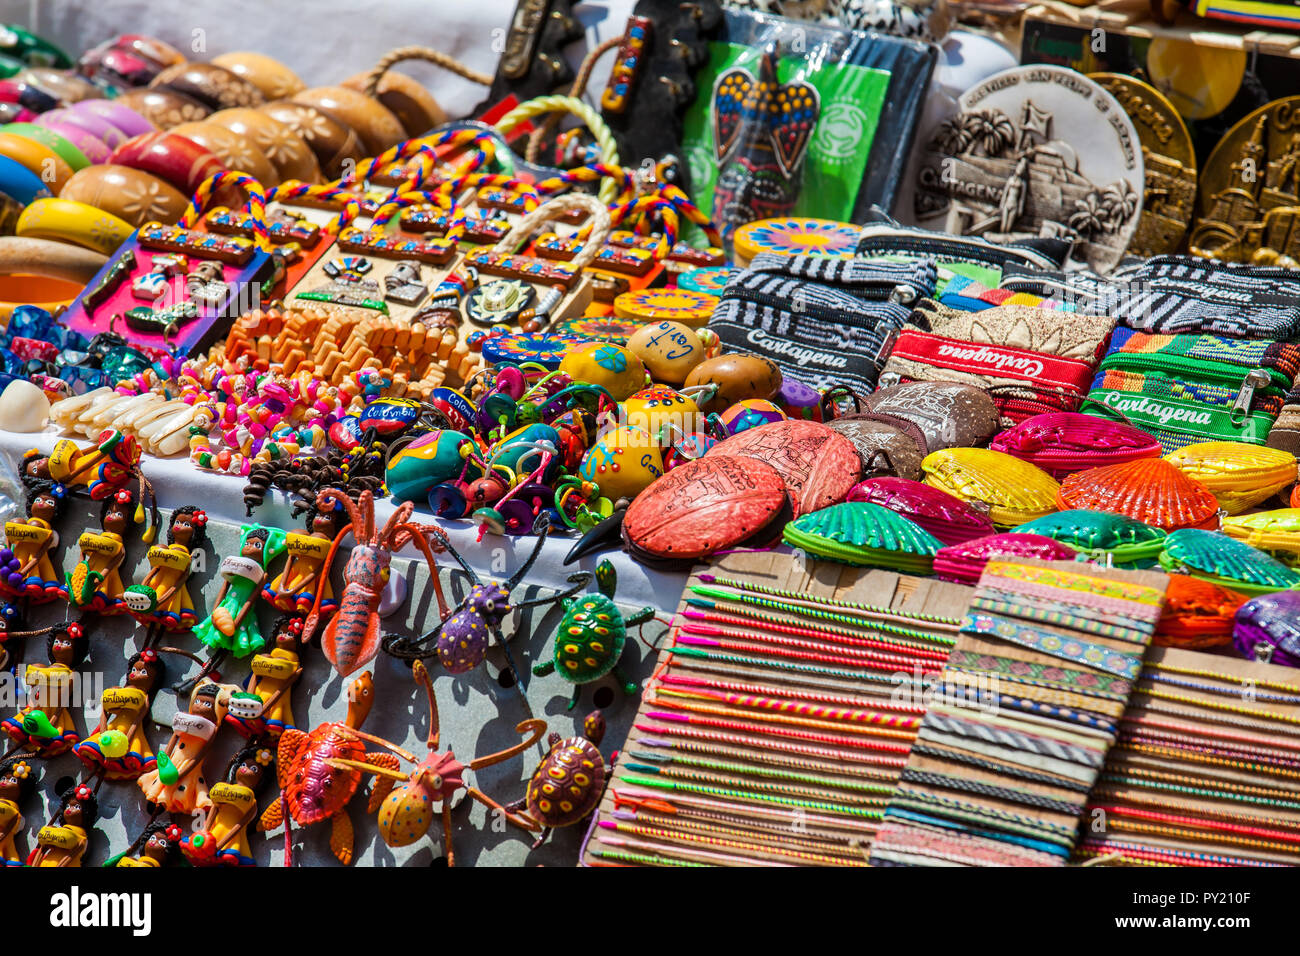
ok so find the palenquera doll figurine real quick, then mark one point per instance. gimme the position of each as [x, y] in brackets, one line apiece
[28, 570]
[95, 584]
[11, 641]
[64, 840]
[17, 784]
[272, 679]
[295, 587]
[117, 749]
[44, 726]
[177, 785]
[159, 844]
[161, 602]
[223, 840]
[111, 463]
[232, 626]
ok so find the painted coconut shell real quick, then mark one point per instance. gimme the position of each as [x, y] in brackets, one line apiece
[1151, 490]
[1127, 540]
[1238, 475]
[1064, 442]
[964, 563]
[885, 448]
[945, 516]
[1268, 627]
[818, 465]
[1014, 490]
[1226, 561]
[864, 534]
[1196, 613]
[715, 503]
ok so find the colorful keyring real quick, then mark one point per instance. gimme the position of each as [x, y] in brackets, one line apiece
[658, 305]
[794, 236]
[71, 155]
[20, 183]
[602, 329]
[38, 158]
[67, 220]
[705, 281]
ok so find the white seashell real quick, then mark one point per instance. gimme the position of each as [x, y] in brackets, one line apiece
[23, 407]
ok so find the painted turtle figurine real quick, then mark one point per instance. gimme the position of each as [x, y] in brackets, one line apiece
[566, 786]
[313, 788]
[592, 636]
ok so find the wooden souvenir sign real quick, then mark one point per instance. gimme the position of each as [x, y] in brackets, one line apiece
[297, 238]
[168, 287]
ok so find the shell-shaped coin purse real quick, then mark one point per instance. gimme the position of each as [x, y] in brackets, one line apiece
[1197, 613]
[1151, 490]
[948, 518]
[1122, 541]
[1226, 561]
[864, 534]
[1015, 491]
[964, 563]
[1240, 476]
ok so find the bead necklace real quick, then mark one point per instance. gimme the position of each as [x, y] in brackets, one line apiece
[1180, 744]
[1196, 836]
[1107, 792]
[758, 831]
[697, 653]
[784, 746]
[1230, 708]
[1147, 855]
[714, 859]
[688, 787]
[1182, 821]
[644, 858]
[814, 712]
[947, 623]
[659, 763]
[877, 726]
[1146, 721]
[690, 805]
[807, 650]
[760, 757]
[801, 610]
[748, 846]
[1134, 777]
[795, 692]
[1225, 691]
[1215, 675]
[769, 623]
[1153, 707]
[861, 743]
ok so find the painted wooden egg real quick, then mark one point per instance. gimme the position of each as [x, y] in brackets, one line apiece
[623, 463]
[750, 413]
[603, 363]
[653, 408]
[669, 350]
[427, 461]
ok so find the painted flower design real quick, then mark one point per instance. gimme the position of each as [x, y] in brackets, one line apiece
[144, 201]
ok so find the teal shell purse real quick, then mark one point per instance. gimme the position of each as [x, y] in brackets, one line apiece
[1226, 562]
[1127, 542]
[864, 534]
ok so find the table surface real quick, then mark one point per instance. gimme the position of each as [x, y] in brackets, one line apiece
[478, 714]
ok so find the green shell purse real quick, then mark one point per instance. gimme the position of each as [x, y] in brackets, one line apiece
[864, 534]
[1227, 562]
[1126, 541]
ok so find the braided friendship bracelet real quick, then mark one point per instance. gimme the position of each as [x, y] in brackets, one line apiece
[1009, 794]
[981, 763]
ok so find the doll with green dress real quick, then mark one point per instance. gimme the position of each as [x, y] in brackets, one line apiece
[232, 626]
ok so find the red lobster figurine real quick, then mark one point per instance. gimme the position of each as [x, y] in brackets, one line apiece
[351, 639]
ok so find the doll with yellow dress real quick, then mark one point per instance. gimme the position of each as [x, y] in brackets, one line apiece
[117, 749]
[272, 679]
[64, 840]
[159, 844]
[95, 583]
[161, 602]
[111, 463]
[223, 839]
[304, 573]
[17, 784]
[26, 564]
[44, 726]
[176, 784]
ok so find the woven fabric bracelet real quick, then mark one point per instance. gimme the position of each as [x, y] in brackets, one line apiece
[993, 766]
[983, 788]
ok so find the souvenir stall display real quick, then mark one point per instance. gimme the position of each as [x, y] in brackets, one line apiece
[877, 416]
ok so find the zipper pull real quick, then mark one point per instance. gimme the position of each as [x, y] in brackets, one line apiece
[903, 295]
[1256, 378]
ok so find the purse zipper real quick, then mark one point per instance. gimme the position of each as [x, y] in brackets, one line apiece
[893, 240]
[1217, 373]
